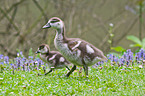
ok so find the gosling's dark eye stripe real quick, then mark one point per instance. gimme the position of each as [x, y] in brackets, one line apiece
[54, 20]
[41, 47]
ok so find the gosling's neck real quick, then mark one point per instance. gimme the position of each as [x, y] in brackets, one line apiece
[60, 34]
[44, 54]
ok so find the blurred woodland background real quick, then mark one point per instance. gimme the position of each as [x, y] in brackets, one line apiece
[21, 22]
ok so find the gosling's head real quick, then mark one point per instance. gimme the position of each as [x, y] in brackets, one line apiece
[55, 23]
[43, 48]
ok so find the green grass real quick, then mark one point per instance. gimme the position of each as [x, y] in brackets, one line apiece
[109, 81]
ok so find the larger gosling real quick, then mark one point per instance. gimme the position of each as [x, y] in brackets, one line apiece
[75, 50]
[54, 59]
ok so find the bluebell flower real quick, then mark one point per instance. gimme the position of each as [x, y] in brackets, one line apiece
[18, 54]
[24, 59]
[23, 67]
[18, 62]
[143, 56]
[136, 57]
[99, 63]
[11, 64]
[21, 53]
[130, 57]
[110, 56]
[6, 59]
[30, 61]
[141, 53]
[122, 61]
[2, 63]
[1, 56]
[127, 63]
[124, 55]
[128, 51]
[115, 59]
[30, 57]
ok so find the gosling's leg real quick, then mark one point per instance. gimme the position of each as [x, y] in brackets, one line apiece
[48, 72]
[72, 69]
[80, 71]
[45, 73]
[85, 69]
[67, 67]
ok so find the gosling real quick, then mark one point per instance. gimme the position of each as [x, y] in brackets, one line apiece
[53, 58]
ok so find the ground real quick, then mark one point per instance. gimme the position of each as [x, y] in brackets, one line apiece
[104, 81]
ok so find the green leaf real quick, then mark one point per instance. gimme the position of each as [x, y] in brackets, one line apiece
[135, 45]
[134, 39]
[143, 43]
[31, 52]
[118, 48]
[143, 40]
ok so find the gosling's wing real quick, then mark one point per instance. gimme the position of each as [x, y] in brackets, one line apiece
[85, 49]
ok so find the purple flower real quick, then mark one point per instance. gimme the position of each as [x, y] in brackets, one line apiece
[99, 63]
[30, 57]
[23, 67]
[129, 51]
[122, 61]
[127, 63]
[143, 56]
[6, 59]
[24, 59]
[2, 63]
[21, 53]
[110, 56]
[115, 59]
[141, 53]
[18, 64]
[136, 57]
[1, 56]
[130, 57]
[124, 55]
[14, 66]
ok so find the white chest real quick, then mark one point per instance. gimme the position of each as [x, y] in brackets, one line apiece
[43, 58]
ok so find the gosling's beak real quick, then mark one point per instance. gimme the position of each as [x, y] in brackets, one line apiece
[47, 26]
[37, 52]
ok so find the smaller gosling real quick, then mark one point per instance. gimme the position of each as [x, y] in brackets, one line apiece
[54, 59]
